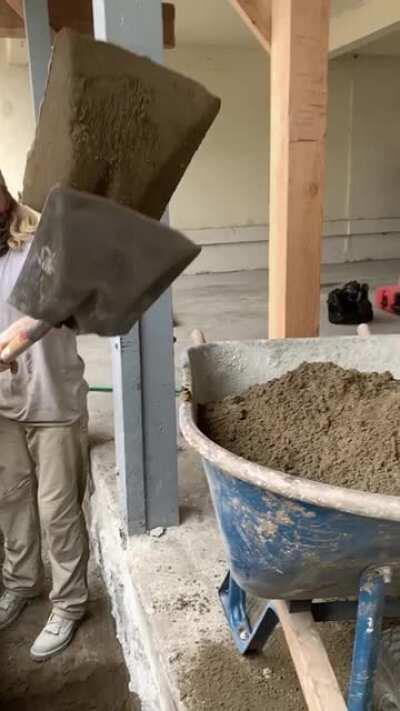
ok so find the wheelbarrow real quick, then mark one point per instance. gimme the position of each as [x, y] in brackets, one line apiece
[311, 551]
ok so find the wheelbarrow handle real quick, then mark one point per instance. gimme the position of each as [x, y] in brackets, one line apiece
[197, 337]
[363, 330]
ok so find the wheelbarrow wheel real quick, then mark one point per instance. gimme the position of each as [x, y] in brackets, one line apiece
[387, 683]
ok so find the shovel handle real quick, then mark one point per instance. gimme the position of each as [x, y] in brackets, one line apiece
[24, 340]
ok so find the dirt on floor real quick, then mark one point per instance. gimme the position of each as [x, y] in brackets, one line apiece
[218, 678]
[89, 676]
[320, 422]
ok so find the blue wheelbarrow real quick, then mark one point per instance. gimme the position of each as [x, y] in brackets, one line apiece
[312, 552]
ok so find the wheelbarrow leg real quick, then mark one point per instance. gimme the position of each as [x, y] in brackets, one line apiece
[370, 611]
[247, 638]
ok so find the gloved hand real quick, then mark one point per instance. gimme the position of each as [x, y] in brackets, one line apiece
[20, 336]
[18, 328]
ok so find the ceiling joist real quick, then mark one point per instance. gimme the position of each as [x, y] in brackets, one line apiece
[76, 14]
[256, 14]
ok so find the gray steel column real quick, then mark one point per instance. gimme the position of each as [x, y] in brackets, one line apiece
[38, 35]
[143, 361]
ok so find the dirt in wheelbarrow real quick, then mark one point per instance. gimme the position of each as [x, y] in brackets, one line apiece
[320, 422]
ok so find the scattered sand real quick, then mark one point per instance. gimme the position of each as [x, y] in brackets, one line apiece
[218, 678]
[89, 676]
[320, 422]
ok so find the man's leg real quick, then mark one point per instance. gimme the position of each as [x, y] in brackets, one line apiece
[60, 456]
[19, 520]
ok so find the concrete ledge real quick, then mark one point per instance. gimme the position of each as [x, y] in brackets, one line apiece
[163, 590]
[112, 552]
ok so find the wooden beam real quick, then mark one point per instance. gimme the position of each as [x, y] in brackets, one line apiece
[11, 24]
[318, 681]
[168, 11]
[10, 33]
[256, 14]
[76, 14]
[15, 6]
[299, 63]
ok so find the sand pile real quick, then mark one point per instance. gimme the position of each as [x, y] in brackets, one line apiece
[320, 422]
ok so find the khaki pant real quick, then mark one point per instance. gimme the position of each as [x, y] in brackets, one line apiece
[43, 472]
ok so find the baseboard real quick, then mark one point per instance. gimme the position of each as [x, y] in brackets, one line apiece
[230, 249]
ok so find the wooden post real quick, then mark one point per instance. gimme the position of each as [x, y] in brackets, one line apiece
[299, 61]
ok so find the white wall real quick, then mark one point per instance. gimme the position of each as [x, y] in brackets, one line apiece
[16, 119]
[226, 184]
[222, 200]
[362, 208]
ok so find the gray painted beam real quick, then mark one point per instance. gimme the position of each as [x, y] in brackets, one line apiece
[159, 414]
[134, 25]
[143, 361]
[128, 429]
[38, 34]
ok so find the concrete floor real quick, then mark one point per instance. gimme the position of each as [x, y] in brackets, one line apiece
[232, 306]
[186, 660]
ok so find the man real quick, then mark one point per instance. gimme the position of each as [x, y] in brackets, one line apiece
[43, 466]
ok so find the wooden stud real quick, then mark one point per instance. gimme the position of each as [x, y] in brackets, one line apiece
[299, 63]
[76, 14]
[256, 14]
[314, 670]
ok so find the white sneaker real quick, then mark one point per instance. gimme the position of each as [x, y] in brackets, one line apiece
[54, 637]
[11, 606]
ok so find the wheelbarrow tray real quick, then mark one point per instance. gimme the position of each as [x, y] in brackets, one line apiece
[307, 548]
[287, 537]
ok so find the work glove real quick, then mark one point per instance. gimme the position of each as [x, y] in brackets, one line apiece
[17, 329]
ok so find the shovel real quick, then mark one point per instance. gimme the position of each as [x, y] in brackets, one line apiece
[95, 267]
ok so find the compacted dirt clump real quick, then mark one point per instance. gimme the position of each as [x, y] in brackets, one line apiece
[320, 422]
